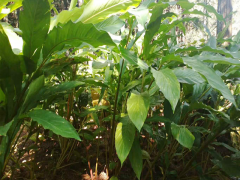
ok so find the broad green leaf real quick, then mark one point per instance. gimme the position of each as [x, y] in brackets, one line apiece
[15, 40]
[11, 60]
[137, 107]
[92, 110]
[211, 9]
[111, 24]
[135, 157]
[131, 57]
[4, 129]
[55, 123]
[182, 135]
[196, 12]
[10, 8]
[171, 57]
[131, 85]
[218, 59]
[153, 26]
[226, 146]
[212, 42]
[124, 137]
[206, 48]
[34, 23]
[213, 79]
[168, 84]
[96, 11]
[48, 91]
[142, 12]
[185, 4]
[34, 89]
[189, 76]
[65, 16]
[230, 166]
[73, 35]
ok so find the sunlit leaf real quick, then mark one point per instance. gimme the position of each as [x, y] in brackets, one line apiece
[182, 135]
[189, 76]
[96, 11]
[73, 35]
[124, 138]
[55, 123]
[137, 107]
[213, 79]
[166, 80]
[34, 23]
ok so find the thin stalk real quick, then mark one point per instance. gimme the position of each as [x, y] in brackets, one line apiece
[114, 113]
[203, 94]
[143, 78]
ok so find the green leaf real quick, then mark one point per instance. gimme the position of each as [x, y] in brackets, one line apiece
[124, 138]
[10, 60]
[11, 7]
[114, 178]
[34, 23]
[131, 85]
[135, 157]
[73, 4]
[213, 79]
[211, 9]
[226, 146]
[62, 88]
[168, 84]
[96, 11]
[112, 24]
[142, 12]
[137, 107]
[73, 35]
[131, 57]
[4, 129]
[206, 48]
[34, 89]
[218, 59]
[15, 40]
[153, 26]
[55, 123]
[171, 57]
[65, 16]
[185, 4]
[230, 166]
[196, 12]
[189, 76]
[182, 135]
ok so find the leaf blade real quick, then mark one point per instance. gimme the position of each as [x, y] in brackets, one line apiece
[55, 123]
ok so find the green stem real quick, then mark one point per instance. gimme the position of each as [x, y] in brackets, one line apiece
[203, 94]
[114, 113]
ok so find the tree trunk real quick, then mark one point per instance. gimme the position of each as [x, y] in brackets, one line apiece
[225, 8]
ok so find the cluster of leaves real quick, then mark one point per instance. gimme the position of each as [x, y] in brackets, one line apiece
[118, 61]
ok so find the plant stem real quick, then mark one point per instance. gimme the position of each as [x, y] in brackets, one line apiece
[114, 114]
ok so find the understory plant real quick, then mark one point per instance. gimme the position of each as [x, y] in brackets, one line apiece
[114, 73]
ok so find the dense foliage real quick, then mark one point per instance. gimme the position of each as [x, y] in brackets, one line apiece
[111, 73]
